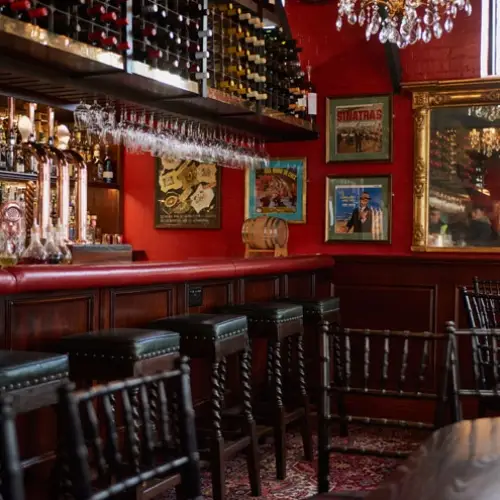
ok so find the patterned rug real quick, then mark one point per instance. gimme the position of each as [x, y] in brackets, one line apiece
[347, 472]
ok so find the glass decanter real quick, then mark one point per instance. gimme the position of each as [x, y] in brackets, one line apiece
[35, 253]
[67, 256]
[54, 254]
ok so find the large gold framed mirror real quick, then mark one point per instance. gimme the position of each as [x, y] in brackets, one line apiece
[456, 185]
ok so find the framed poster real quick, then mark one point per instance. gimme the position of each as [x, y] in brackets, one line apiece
[187, 195]
[359, 129]
[278, 190]
[358, 208]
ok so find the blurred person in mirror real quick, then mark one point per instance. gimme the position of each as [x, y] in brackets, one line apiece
[480, 232]
[436, 225]
[361, 218]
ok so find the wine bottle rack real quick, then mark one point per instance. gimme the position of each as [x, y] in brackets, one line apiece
[174, 56]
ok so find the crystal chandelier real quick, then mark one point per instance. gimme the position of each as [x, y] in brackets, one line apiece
[403, 22]
[490, 113]
[485, 141]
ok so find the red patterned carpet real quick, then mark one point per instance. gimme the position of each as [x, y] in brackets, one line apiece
[347, 472]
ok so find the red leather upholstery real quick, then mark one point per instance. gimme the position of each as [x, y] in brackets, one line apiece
[49, 278]
[7, 283]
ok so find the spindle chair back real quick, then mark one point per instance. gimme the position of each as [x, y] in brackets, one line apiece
[491, 287]
[483, 309]
[12, 486]
[381, 364]
[161, 442]
[478, 373]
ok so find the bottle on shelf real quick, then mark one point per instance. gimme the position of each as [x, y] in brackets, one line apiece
[35, 253]
[97, 164]
[108, 170]
[312, 96]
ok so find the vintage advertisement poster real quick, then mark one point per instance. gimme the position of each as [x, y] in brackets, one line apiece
[278, 190]
[359, 129]
[187, 195]
[358, 208]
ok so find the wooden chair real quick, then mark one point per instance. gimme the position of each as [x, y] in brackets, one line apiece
[478, 355]
[12, 487]
[163, 445]
[387, 371]
[491, 287]
[483, 309]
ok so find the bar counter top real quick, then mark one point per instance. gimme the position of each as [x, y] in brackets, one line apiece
[40, 278]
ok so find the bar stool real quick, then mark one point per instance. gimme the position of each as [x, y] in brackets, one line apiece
[277, 322]
[213, 338]
[33, 379]
[316, 310]
[119, 353]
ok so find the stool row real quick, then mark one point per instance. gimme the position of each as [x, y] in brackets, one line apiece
[223, 429]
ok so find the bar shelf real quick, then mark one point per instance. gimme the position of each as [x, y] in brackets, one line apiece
[48, 67]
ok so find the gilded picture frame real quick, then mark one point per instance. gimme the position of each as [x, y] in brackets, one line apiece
[359, 128]
[440, 97]
[279, 190]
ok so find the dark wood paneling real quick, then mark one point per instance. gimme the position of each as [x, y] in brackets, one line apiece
[258, 289]
[34, 322]
[135, 307]
[215, 294]
[369, 306]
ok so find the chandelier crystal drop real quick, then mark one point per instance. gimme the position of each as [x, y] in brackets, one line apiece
[403, 22]
[490, 113]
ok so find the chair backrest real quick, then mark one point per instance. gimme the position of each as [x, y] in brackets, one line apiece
[479, 361]
[483, 309]
[12, 487]
[158, 437]
[385, 364]
[491, 287]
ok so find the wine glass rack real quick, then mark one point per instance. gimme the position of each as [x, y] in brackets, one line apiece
[185, 57]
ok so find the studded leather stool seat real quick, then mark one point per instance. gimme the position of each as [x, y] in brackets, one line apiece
[279, 323]
[118, 353]
[213, 338]
[316, 311]
[33, 380]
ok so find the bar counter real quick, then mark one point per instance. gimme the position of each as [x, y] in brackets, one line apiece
[40, 304]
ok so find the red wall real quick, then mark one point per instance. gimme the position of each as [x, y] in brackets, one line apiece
[343, 64]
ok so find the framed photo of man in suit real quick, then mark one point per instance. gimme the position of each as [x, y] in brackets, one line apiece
[358, 208]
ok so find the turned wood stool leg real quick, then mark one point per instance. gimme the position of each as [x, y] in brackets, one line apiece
[279, 415]
[217, 461]
[306, 423]
[253, 458]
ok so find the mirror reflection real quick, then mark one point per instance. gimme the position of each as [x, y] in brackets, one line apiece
[464, 177]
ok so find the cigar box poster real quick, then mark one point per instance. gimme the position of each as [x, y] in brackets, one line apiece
[187, 195]
[359, 129]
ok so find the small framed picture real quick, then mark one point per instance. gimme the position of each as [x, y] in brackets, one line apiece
[278, 190]
[359, 128]
[358, 208]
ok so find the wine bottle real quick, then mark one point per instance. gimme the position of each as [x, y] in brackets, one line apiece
[108, 171]
[312, 96]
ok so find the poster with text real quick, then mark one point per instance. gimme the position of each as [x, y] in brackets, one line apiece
[187, 195]
[278, 190]
[359, 129]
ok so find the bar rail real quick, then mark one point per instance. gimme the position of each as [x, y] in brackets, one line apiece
[45, 278]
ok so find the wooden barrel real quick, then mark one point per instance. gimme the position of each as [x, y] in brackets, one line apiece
[265, 233]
